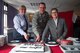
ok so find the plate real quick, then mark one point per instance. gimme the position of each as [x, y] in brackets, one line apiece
[51, 44]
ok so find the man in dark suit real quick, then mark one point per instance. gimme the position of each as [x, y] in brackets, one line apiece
[56, 26]
[77, 27]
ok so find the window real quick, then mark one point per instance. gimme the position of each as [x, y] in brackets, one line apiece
[5, 19]
[5, 8]
[5, 24]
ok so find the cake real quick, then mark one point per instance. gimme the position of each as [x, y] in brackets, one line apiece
[30, 47]
[66, 42]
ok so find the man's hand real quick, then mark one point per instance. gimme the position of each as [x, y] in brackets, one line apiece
[26, 36]
[41, 41]
[38, 38]
[58, 40]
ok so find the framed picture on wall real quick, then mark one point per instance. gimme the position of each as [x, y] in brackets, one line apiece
[30, 16]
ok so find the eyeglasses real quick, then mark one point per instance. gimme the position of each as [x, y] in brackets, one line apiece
[41, 7]
[53, 12]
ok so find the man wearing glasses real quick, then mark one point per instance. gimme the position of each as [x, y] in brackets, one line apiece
[56, 26]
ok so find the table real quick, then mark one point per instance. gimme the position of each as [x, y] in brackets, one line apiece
[7, 49]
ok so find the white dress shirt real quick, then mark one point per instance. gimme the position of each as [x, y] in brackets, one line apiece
[56, 20]
[20, 24]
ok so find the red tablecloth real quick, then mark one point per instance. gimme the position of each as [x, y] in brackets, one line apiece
[55, 49]
[6, 49]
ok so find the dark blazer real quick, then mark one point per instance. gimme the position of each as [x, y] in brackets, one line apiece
[57, 32]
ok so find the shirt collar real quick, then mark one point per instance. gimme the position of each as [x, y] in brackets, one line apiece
[21, 14]
[43, 13]
[55, 19]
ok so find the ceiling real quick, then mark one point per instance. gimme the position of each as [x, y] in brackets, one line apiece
[32, 5]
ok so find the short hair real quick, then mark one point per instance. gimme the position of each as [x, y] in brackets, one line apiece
[54, 9]
[22, 6]
[42, 3]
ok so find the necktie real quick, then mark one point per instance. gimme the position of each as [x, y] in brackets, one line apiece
[26, 22]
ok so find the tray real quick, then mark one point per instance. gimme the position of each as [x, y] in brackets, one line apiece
[70, 48]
